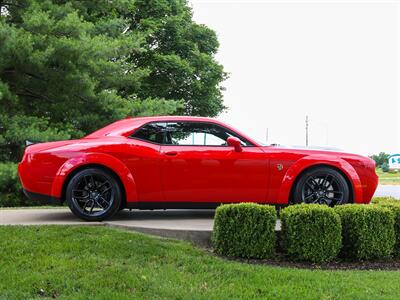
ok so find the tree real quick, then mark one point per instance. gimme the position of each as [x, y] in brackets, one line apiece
[380, 159]
[69, 67]
[179, 56]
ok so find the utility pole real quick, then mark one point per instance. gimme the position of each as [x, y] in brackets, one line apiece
[306, 131]
[266, 136]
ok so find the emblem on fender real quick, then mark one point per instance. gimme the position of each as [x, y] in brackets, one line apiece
[279, 167]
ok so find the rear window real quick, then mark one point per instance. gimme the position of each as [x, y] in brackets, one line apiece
[152, 132]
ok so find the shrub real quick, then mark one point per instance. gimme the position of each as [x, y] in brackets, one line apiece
[311, 232]
[245, 230]
[367, 231]
[10, 187]
[394, 206]
[385, 200]
[385, 167]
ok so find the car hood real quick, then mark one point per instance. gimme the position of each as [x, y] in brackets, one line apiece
[316, 150]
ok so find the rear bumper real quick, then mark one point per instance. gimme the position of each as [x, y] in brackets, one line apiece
[43, 199]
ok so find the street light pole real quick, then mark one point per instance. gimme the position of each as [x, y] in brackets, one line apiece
[306, 131]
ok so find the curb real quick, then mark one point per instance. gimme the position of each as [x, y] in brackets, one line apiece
[200, 238]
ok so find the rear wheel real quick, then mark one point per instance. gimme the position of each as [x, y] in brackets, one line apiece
[322, 185]
[93, 194]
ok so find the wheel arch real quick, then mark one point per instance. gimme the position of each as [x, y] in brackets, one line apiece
[309, 162]
[99, 160]
[322, 165]
[88, 166]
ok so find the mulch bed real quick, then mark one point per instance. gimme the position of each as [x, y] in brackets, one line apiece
[390, 264]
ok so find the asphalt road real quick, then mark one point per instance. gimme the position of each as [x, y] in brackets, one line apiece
[388, 190]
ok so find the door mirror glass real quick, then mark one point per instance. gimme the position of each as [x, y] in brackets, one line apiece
[234, 142]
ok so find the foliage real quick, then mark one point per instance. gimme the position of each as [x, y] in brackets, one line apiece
[367, 231]
[93, 262]
[70, 67]
[245, 230]
[311, 232]
[380, 158]
[384, 200]
[394, 206]
[10, 187]
[385, 167]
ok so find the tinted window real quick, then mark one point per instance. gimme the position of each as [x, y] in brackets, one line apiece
[198, 134]
[152, 132]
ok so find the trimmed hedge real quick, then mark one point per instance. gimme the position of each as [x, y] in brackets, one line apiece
[245, 230]
[311, 232]
[367, 231]
[384, 200]
[394, 206]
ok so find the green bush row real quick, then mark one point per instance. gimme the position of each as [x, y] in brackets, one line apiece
[384, 200]
[311, 233]
[367, 231]
[394, 206]
[11, 194]
[245, 230]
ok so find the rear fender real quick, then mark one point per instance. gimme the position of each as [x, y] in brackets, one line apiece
[101, 159]
[314, 160]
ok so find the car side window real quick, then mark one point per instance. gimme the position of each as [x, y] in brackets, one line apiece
[197, 134]
[152, 132]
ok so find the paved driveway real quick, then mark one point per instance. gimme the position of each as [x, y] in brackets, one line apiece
[192, 225]
[169, 219]
[388, 190]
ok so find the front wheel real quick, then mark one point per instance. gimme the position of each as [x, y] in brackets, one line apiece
[93, 194]
[322, 185]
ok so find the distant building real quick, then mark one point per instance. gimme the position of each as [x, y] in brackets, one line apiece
[394, 162]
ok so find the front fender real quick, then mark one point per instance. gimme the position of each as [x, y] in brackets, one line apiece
[102, 159]
[313, 160]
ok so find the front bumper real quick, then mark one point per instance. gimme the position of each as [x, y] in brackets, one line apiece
[43, 199]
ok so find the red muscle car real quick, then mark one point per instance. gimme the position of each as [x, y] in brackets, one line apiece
[186, 162]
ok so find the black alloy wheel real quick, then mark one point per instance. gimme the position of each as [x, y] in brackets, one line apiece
[322, 185]
[93, 194]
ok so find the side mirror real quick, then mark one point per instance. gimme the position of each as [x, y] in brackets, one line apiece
[234, 142]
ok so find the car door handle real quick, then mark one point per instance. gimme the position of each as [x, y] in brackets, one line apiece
[171, 153]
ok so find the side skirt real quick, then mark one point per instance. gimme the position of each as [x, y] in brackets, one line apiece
[177, 205]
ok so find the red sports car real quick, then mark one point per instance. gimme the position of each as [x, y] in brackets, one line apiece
[186, 162]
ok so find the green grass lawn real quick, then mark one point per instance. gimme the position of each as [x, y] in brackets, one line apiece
[104, 263]
[392, 178]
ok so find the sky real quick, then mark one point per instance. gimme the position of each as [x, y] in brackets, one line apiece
[336, 61]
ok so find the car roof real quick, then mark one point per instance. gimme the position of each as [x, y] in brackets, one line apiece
[126, 126]
[173, 118]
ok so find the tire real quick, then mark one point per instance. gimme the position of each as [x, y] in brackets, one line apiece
[93, 194]
[321, 185]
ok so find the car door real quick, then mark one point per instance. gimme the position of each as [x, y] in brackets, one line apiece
[197, 165]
